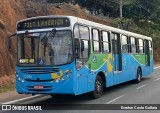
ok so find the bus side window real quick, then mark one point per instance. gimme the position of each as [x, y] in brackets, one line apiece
[150, 47]
[105, 42]
[124, 44]
[115, 43]
[141, 46]
[133, 44]
[95, 36]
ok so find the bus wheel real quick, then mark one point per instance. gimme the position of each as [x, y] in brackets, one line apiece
[56, 95]
[139, 76]
[98, 88]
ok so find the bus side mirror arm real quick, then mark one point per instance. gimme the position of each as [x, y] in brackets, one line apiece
[82, 45]
[9, 41]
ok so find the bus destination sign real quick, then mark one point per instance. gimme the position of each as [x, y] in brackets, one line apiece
[41, 23]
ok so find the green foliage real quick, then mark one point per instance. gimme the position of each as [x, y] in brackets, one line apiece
[140, 16]
[143, 27]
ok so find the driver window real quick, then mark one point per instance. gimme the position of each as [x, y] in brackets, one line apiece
[81, 44]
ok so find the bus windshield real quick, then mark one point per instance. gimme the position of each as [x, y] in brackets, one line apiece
[45, 48]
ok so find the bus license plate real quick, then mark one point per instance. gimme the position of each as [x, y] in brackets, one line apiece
[38, 87]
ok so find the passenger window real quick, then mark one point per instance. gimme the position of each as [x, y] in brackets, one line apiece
[133, 45]
[95, 35]
[115, 43]
[124, 44]
[141, 46]
[105, 42]
[150, 47]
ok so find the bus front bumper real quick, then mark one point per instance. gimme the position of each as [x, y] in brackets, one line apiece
[53, 87]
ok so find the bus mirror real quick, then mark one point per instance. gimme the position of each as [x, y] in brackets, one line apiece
[82, 45]
[9, 41]
[77, 48]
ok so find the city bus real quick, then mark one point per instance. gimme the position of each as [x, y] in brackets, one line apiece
[69, 55]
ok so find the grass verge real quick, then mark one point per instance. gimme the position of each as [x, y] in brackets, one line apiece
[7, 88]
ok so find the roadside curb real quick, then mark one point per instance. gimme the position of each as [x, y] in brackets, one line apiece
[157, 67]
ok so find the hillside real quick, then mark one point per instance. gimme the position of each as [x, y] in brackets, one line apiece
[10, 12]
[14, 10]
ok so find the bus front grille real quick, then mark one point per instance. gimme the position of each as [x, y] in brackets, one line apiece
[38, 80]
[39, 70]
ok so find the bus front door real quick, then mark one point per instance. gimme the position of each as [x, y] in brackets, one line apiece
[147, 53]
[147, 57]
[116, 51]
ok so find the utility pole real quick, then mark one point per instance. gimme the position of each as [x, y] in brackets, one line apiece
[121, 8]
[121, 12]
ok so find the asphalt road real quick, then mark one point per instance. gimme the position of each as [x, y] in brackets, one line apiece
[145, 92]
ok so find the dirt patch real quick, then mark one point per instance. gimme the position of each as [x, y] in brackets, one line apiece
[2, 25]
[7, 83]
[11, 11]
[157, 64]
[7, 80]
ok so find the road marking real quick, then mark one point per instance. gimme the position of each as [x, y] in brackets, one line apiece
[157, 67]
[22, 99]
[157, 79]
[141, 86]
[115, 99]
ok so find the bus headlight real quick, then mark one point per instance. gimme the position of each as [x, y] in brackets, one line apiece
[63, 79]
[21, 80]
[66, 75]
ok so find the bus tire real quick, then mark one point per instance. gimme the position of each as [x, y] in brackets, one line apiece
[98, 91]
[55, 95]
[139, 76]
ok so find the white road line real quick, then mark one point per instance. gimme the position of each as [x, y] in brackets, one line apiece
[157, 67]
[115, 99]
[22, 99]
[157, 79]
[141, 86]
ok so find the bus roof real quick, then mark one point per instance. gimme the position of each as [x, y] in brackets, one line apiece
[94, 25]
